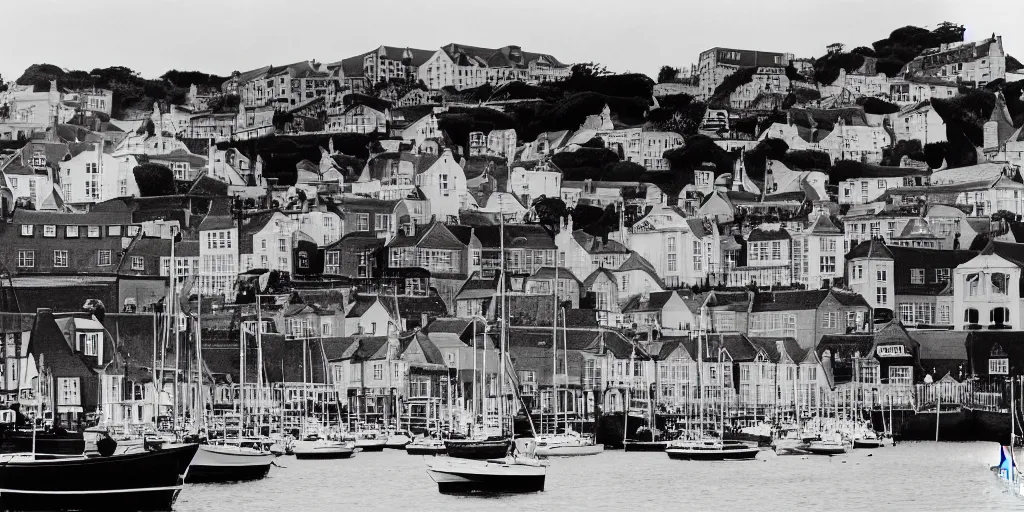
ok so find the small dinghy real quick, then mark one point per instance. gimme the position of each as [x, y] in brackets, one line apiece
[711, 449]
[323, 449]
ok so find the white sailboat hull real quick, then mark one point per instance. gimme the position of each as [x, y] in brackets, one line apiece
[464, 475]
[569, 450]
[228, 464]
[323, 450]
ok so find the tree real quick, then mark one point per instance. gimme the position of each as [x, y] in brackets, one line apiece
[911, 148]
[550, 211]
[154, 180]
[667, 74]
[586, 71]
[3, 85]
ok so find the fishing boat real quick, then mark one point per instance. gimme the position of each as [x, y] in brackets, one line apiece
[518, 473]
[711, 449]
[494, 447]
[323, 449]
[228, 463]
[426, 446]
[149, 480]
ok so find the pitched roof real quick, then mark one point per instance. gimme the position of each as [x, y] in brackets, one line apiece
[549, 273]
[434, 236]
[656, 302]
[761, 235]
[251, 226]
[1014, 253]
[637, 262]
[504, 57]
[823, 225]
[771, 346]
[595, 245]
[788, 301]
[592, 278]
[870, 249]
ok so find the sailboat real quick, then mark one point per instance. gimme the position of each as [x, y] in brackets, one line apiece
[519, 472]
[708, 448]
[567, 443]
[224, 462]
[481, 446]
[314, 445]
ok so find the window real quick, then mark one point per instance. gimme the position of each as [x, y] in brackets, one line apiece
[26, 259]
[907, 313]
[282, 245]
[381, 222]
[476, 257]
[901, 375]
[858, 272]
[362, 222]
[49, 231]
[881, 274]
[671, 253]
[970, 316]
[943, 314]
[881, 295]
[69, 391]
[325, 328]
[625, 281]
[698, 259]
[89, 343]
[999, 366]
[443, 184]
[999, 316]
[103, 258]
[27, 229]
[93, 232]
[917, 276]
[973, 284]
[830, 320]
[776, 251]
[999, 282]
[828, 264]
[378, 371]
[113, 230]
[60, 259]
[373, 328]
[71, 232]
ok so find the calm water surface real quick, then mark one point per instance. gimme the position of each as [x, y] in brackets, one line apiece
[910, 476]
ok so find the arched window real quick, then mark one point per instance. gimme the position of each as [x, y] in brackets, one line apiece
[999, 317]
[970, 316]
[999, 283]
[973, 284]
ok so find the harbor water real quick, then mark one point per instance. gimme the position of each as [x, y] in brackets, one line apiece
[910, 476]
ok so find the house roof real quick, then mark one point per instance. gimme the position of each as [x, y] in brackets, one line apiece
[873, 248]
[121, 218]
[772, 346]
[504, 57]
[823, 225]
[761, 235]
[942, 345]
[592, 278]
[549, 273]
[637, 262]
[251, 226]
[655, 302]
[801, 300]
[595, 245]
[434, 235]
[1014, 253]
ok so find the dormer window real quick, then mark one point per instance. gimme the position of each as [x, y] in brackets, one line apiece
[89, 345]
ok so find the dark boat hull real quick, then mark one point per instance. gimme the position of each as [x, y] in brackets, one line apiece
[59, 444]
[495, 484]
[477, 450]
[954, 425]
[219, 474]
[135, 481]
[323, 455]
[711, 455]
[861, 443]
[413, 450]
[645, 446]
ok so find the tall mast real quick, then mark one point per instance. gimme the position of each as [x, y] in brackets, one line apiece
[259, 357]
[554, 350]
[501, 333]
[174, 320]
[565, 356]
[700, 364]
[199, 361]
[241, 379]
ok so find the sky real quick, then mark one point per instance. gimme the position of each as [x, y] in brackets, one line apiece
[221, 36]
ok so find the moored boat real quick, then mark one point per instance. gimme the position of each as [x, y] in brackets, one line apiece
[426, 446]
[511, 474]
[228, 463]
[644, 446]
[149, 480]
[370, 441]
[397, 440]
[825, 448]
[478, 449]
[323, 449]
[711, 449]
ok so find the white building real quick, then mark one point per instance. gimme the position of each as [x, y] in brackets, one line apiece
[444, 185]
[683, 251]
[986, 289]
[531, 184]
[464, 67]
[93, 176]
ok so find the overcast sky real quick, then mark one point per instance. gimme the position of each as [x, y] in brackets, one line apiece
[219, 36]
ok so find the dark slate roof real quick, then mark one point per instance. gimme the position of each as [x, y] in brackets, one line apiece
[431, 305]
[361, 306]
[1014, 253]
[948, 345]
[906, 258]
[592, 278]
[824, 226]
[771, 347]
[434, 236]
[595, 245]
[656, 301]
[219, 216]
[122, 218]
[464, 55]
[788, 301]
[759, 235]
[637, 262]
[870, 249]
[581, 318]
[549, 273]
[251, 226]
[359, 240]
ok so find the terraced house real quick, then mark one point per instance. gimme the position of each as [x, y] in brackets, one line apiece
[463, 67]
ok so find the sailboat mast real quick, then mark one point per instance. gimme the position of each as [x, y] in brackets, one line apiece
[173, 316]
[700, 365]
[201, 421]
[554, 351]
[259, 358]
[501, 333]
[565, 360]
